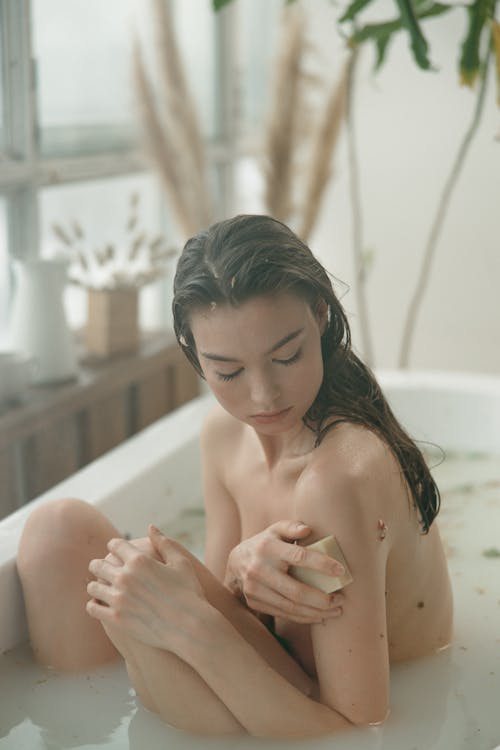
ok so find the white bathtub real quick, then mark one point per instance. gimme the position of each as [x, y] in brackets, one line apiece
[155, 474]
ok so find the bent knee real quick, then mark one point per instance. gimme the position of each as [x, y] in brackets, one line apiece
[54, 518]
[60, 524]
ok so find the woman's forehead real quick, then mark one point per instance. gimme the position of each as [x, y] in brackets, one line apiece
[259, 307]
[265, 317]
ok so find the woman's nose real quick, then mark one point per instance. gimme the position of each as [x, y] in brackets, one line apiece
[264, 393]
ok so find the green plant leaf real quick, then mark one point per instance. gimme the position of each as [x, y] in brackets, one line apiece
[491, 552]
[381, 33]
[381, 43]
[218, 4]
[373, 31]
[470, 62]
[418, 41]
[495, 31]
[354, 8]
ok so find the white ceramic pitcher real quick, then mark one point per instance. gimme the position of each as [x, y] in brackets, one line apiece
[38, 323]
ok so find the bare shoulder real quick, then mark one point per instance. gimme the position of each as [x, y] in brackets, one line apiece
[219, 428]
[352, 453]
[353, 475]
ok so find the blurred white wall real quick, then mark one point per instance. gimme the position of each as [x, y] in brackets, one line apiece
[409, 127]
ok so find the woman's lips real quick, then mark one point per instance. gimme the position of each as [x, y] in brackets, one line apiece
[272, 416]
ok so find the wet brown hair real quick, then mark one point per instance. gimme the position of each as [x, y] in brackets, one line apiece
[253, 255]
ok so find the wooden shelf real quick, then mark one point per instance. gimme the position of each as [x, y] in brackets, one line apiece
[57, 429]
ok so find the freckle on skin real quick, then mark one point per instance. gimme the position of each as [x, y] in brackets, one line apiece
[382, 528]
[420, 605]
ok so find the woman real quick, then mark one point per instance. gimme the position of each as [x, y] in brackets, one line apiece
[301, 445]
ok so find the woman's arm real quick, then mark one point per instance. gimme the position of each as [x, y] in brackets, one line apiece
[351, 653]
[262, 701]
[221, 513]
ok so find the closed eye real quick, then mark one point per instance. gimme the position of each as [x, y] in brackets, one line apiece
[291, 359]
[226, 377]
[229, 375]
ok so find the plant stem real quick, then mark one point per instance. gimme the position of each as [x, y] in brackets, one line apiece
[357, 219]
[430, 250]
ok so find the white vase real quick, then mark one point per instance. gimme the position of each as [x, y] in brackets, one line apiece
[38, 325]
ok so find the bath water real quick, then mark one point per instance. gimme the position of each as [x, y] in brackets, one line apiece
[450, 701]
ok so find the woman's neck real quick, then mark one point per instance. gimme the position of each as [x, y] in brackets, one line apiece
[293, 443]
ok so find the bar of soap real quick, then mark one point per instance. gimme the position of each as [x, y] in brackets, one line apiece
[329, 546]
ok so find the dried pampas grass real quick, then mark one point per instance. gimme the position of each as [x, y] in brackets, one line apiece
[325, 139]
[172, 136]
[160, 148]
[298, 129]
[280, 142]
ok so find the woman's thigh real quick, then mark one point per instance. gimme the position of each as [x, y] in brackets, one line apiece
[172, 688]
[58, 541]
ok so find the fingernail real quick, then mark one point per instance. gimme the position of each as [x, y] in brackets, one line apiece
[299, 525]
[154, 528]
[336, 612]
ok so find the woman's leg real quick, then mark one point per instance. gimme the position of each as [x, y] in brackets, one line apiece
[58, 542]
[175, 690]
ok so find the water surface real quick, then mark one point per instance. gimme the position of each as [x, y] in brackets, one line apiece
[448, 702]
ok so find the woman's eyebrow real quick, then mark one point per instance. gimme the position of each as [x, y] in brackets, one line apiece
[278, 345]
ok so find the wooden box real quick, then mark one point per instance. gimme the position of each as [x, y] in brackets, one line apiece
[112, 321]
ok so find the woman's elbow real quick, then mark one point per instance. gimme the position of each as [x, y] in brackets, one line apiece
[367, 715]
[370, 718]
[357, 717]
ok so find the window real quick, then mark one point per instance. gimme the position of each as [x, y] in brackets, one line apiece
[82, 53]
[4, 271]
[69, 142]
[257, 26]
[195, 25]
[2, 126]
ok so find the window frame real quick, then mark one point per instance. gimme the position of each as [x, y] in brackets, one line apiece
[24, 170]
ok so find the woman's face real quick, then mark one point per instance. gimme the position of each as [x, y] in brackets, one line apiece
[262, 359]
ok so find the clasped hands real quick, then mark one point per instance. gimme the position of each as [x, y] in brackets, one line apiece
[147, 588]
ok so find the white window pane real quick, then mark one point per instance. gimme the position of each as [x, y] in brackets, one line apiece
[2, 114]
[258, 25]
[248, 186]
[195, 27]
[86, 101]
[82, 50]
[102, 210]
[4, 271]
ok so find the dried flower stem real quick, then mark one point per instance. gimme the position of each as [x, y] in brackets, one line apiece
[173, 138]
[357, 221]
[281, 132]
[325, 140]
[159, 145]
[430, 249]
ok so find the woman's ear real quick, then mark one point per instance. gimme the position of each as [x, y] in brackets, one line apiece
[321, 312]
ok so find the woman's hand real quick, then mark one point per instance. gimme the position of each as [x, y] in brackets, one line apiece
[257, 569]
[155, 601]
